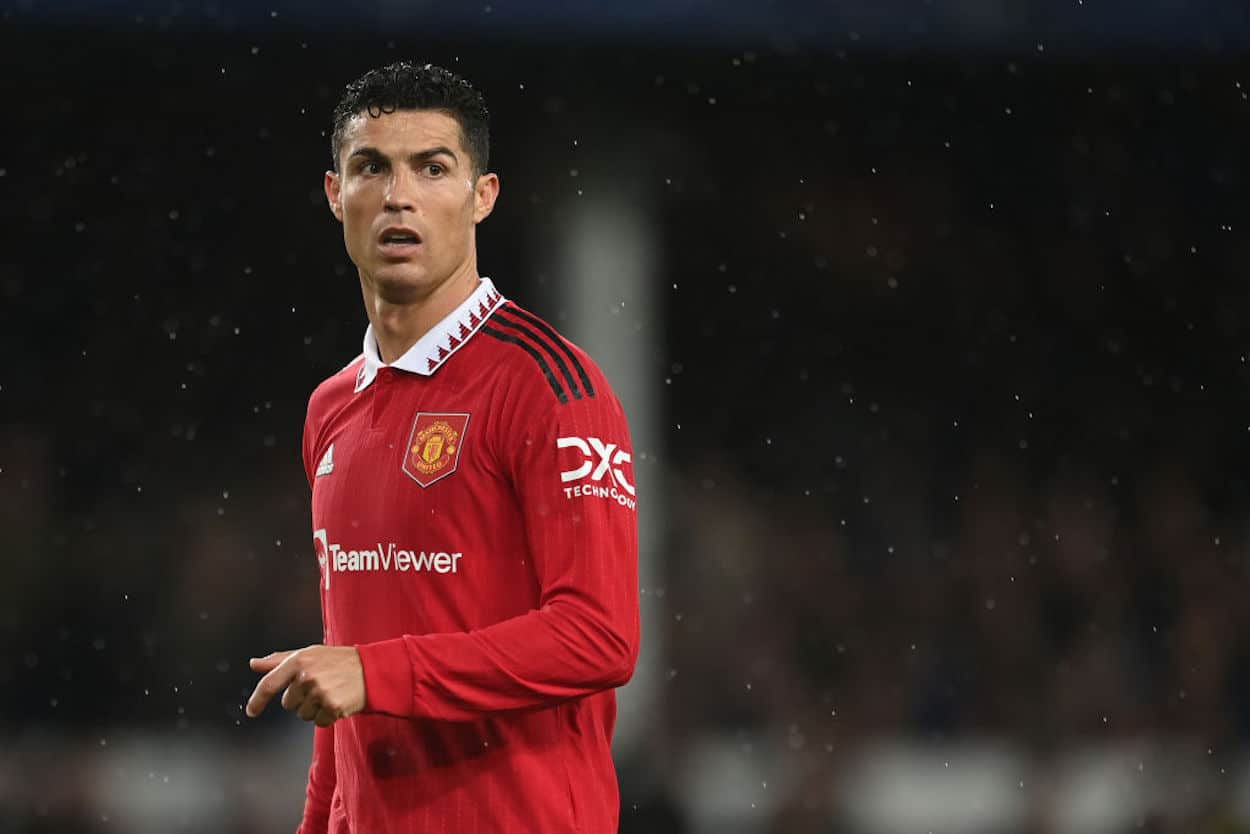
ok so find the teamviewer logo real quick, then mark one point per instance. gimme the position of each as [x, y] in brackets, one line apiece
[322, 546]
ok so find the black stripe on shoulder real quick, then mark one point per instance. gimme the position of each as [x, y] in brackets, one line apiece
[555, 338]
[535, 355]
[538, 340]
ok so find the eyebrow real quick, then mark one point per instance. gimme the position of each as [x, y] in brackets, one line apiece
[371, 152]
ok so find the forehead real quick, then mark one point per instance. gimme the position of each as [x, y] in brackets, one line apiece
[402, 132]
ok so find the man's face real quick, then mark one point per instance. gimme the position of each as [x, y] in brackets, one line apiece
[408, 200]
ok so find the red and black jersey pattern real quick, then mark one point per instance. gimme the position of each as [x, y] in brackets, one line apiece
[509, 323]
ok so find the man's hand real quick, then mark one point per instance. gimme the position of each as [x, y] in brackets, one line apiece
[323, 683]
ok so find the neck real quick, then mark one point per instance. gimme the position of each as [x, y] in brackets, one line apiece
[397, 326]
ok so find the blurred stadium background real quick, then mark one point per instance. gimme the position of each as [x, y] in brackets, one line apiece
[931, 319]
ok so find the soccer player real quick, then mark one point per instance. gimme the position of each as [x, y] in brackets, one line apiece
[473, 513]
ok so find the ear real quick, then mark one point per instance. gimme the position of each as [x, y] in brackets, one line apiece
[334, 195]
[485, 192]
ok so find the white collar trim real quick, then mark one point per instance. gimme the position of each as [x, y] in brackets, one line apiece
[442, 340]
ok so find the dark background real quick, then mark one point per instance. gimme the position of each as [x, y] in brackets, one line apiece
[951, 357]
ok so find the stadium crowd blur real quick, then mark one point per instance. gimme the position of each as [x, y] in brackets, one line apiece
[954, 384]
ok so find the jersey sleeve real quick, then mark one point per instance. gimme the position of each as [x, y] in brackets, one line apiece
[571, 467]
[308, 447]
[322, 776]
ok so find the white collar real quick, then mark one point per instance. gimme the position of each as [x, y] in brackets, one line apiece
[442, 340]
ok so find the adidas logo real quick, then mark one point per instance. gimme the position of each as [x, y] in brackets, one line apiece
[327, 462]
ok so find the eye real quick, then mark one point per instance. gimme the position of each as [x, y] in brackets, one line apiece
[371, 168]
[435, 169]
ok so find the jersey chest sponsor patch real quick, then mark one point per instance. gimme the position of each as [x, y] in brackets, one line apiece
[434, 445]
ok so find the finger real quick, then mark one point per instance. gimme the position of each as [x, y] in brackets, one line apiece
[269, 661]
[269, 686]
[308, 709]
[297, 692]
[324, 718]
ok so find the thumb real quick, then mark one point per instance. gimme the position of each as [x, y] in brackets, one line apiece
[269, 661]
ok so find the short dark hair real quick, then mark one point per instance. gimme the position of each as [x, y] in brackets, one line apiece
[407, 86]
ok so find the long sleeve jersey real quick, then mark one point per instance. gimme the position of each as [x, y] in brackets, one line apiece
[474, 520]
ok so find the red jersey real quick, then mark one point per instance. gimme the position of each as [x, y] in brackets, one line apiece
[475, 524]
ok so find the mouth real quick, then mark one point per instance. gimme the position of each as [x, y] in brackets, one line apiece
[399, 242]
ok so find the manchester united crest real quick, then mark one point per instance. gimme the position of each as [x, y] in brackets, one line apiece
[434, 446]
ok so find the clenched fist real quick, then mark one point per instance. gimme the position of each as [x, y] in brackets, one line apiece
[323, 683]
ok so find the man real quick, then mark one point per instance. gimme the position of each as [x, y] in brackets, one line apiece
[473, 512]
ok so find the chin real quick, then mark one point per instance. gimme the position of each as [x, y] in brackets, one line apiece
[399, 283]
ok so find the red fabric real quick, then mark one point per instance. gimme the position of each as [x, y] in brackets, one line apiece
[490, 660]
[320, 783]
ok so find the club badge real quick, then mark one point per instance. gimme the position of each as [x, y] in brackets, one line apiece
[434, 446]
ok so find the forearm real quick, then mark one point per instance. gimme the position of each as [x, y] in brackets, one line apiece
[565, 650]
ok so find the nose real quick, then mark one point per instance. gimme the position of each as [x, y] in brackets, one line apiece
[401, 190]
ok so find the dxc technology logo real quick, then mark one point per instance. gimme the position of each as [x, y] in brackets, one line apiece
[600, 460]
